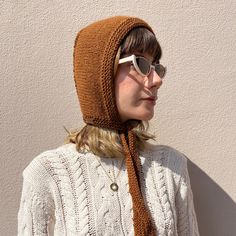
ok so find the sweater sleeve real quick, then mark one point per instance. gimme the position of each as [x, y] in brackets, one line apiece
[35, 215]
[186, 217]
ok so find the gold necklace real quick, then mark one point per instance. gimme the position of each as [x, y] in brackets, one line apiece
[114, 186]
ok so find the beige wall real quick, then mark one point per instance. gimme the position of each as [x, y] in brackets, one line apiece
[197, 103]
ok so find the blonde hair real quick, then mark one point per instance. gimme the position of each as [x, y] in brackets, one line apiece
[105, 142]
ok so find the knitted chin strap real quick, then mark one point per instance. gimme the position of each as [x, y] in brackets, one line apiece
[95, 50]
[143, 225]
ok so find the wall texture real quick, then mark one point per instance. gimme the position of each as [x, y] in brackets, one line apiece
[197, 103]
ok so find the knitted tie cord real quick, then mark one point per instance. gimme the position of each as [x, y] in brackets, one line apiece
[142, 220]
[95, 50]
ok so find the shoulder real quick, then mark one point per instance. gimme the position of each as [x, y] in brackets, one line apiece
[170, 157]
[40, 167]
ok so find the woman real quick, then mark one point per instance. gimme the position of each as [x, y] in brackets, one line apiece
[108, 179]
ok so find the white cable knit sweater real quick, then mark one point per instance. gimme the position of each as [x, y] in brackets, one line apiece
[68, 193]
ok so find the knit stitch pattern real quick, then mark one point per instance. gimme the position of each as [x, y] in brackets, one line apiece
[94, 55]
[68, 193]
[95, 50]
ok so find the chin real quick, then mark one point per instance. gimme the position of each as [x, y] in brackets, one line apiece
[137, 115]
[148, 119]
[145, 118]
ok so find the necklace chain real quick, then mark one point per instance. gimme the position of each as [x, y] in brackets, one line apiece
[114, 186]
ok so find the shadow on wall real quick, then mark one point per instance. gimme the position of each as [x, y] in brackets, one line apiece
[216, 211]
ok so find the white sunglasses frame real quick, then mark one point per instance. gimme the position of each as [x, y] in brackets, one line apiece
[132, 58]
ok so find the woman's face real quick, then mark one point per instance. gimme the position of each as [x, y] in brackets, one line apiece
[136, 95]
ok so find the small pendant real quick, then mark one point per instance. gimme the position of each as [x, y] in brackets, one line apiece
[114, 187]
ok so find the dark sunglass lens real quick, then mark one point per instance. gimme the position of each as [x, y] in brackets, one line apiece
[143, 65]
[160, 70]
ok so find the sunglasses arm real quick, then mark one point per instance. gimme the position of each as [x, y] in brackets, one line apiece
[126, 59]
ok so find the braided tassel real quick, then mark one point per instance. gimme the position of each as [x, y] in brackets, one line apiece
[143, 225]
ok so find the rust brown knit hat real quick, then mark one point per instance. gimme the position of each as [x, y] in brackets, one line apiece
[95, 50]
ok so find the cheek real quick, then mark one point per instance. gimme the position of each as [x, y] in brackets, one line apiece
[126, 91]
[127, 87]
[120, 83]
[123, 83]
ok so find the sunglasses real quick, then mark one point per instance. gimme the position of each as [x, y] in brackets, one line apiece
[143, 66]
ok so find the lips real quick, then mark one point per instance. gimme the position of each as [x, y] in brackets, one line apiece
[151, 100]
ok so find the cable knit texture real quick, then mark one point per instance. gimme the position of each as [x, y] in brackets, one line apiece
[68, 193]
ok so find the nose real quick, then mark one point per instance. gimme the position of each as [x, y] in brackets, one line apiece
[153, 80]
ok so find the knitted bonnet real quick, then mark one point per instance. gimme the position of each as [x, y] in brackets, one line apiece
[95, 51]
